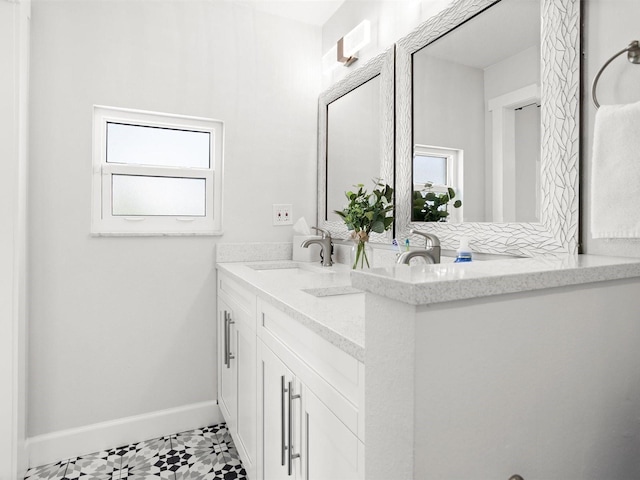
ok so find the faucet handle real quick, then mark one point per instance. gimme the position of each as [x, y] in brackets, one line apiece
[430, 239]
[325, 234]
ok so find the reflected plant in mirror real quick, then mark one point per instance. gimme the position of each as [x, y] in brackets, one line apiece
[430, 205]
[366, 213]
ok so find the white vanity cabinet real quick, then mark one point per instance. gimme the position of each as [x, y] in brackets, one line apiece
[311, 420]
[303, 438]
[292, 400]
[237, 367]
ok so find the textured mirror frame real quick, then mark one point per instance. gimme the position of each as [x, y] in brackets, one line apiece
[382, 65]
[557, 232]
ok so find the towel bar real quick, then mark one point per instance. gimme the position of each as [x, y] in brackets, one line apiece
[633, 56]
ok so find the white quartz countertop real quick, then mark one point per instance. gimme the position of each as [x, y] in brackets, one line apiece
[331, 301]
[320, 298]
[428, 284]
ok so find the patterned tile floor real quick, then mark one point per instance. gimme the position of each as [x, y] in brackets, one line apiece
[202, 454]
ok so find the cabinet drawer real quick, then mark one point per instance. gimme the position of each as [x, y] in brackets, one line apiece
[234, 292]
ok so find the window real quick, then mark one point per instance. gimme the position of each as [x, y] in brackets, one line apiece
[438, 165]
[156, 174]
[441, 168]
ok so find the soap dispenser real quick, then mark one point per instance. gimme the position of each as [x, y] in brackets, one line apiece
[464, 252]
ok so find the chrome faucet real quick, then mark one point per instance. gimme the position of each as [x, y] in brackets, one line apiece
[326, 246]
[430, 253]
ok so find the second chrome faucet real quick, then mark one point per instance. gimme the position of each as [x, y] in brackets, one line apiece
[430, 253]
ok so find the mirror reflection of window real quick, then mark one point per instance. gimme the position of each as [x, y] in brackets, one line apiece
[353, 143]
[430, 168]
[436, 169]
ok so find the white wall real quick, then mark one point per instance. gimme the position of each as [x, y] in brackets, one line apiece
[125, 326]
[14, 55]
[512, 73]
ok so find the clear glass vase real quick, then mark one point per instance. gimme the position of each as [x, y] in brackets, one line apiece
[361, 255]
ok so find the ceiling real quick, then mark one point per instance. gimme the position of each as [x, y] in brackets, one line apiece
[312, 12]
[505, 29]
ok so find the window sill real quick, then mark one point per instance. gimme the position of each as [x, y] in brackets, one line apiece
[157, 234]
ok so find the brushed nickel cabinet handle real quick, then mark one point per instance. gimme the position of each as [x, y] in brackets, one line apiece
[283, 391]
[226, 345]
[229, 355]
[292, 455]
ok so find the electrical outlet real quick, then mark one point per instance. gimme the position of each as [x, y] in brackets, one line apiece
[282, 214]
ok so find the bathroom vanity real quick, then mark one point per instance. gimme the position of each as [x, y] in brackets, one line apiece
[477, 370]
[291, 370]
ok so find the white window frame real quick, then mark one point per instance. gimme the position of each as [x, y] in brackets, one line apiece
[454, 165]
[455, 159]
[102, 220]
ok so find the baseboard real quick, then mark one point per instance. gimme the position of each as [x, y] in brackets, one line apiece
[52, 447]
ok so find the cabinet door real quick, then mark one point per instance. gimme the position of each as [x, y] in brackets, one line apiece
[245, 352]
[227, 365]
[281, 426]
[330, 450]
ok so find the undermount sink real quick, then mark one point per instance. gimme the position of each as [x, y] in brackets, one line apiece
[332, 291]
[290, 268]
[275, 266]
[282, 270]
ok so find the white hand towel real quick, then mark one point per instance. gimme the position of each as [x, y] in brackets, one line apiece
[615, 172]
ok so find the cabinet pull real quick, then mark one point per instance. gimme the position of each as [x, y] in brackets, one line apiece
[227, 341]
[226, 345]
[283, 390]
[292, 455]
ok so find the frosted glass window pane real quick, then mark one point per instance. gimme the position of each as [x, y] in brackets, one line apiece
[166, 147]
[142, 195]
[428, 168]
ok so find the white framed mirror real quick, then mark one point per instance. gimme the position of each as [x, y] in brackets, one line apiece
[355, 139]
[527, 211]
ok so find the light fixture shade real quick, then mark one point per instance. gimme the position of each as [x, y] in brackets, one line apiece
[330, 59]
[357, 38]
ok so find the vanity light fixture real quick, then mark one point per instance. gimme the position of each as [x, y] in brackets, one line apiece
[353, 42]
[346, 51]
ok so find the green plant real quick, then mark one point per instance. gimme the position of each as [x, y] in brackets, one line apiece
[429, 206]
[366, 213]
